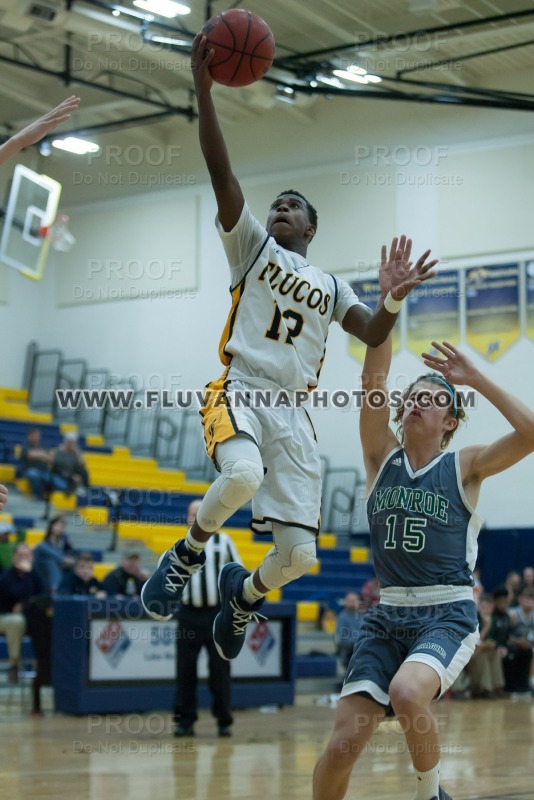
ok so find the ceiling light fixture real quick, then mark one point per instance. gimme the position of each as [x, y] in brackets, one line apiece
[286, 95]
[74, 145]
[330, 81]
[356, 69]
[164, 8]
[171, 41]
[350, 76]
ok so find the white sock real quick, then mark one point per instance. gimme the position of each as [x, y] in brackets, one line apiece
[427, 786]
[250, 593]
[193, 544]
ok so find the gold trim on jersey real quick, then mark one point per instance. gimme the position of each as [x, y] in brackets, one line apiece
[311, 388]
[237, 294]
[217, 417]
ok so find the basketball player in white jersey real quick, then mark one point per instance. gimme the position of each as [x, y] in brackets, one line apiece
[274, 339]
[421, 511]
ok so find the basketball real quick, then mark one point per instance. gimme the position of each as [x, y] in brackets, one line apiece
[243, 45]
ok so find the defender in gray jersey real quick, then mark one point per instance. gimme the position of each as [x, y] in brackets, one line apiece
[421, 510]
[275, 338]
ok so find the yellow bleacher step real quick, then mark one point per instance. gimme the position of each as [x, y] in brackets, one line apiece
[34, 536]
[112, 459]
[121, 451]
[6, 516]
[67, 427]
[95, 440]
[274, 596]
[94, 515]
[116, 481]
[307, 611]
[23, 485]
[62, 501]
[327, 540]
[195, 487]
[359, 555]
[7, 472]
[10, 395]
[101, 570]
[22, 412]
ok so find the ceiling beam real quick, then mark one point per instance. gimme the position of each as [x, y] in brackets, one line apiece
[388, 38]
[467, 57]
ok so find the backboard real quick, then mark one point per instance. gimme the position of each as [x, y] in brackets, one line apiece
[32, 206]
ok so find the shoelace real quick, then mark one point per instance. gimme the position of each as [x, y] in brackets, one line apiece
[178, 573]
[240, 618]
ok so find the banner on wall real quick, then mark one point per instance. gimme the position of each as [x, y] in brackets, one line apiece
[123, 650]
[492, 309]
[433, 312]
[529, 299]
[368, 292]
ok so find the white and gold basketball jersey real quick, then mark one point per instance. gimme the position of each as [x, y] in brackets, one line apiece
[281, 309]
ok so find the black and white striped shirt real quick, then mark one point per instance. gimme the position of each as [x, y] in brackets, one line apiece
[203, 588]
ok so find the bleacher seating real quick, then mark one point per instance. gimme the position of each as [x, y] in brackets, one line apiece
[152, 508]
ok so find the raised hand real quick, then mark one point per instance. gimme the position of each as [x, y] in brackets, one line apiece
[34, 132]
[201, 57]
[455, 366]
[3, 496]
[396, 274]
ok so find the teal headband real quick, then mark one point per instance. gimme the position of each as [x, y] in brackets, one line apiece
[448, 386]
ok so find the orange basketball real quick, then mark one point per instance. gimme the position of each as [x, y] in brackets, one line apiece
[243, 44]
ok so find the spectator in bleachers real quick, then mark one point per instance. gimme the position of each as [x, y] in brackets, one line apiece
[7, 545]
[478, 588]
[370, 593]
[17, 585]
[513, 584]
[348, 624]
[53, 555]
[127, 579]
[485, 671]
[500, 619]
[80, 579]
[35, 463]
[69, 473]
[528, 578]
[520, 643]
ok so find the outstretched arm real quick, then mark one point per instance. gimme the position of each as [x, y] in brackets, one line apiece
[481, 461]
[397, 278]
[227, 190]
[34, 132]
[376, 436]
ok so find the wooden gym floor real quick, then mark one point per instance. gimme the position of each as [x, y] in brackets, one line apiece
[488, 752]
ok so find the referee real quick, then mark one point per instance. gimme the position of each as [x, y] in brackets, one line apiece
[200, 606]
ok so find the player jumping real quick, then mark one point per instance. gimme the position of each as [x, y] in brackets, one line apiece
[275, 338]
[421, 510]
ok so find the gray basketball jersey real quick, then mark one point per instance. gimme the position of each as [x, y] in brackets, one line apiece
[423, 530]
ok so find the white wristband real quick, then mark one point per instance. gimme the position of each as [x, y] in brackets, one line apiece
[392, 305]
